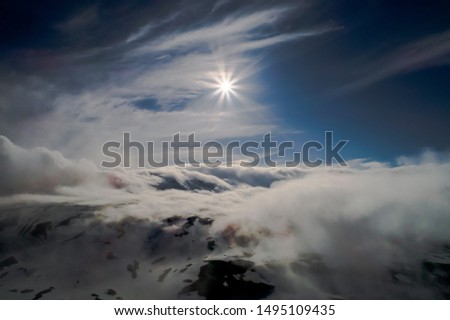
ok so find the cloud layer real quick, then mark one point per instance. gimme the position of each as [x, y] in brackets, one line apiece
[157, 81]
[38, 170]
[368, 231]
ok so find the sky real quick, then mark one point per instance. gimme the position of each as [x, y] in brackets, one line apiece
[76, 75]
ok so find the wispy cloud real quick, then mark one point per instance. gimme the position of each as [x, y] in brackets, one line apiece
[174, 68]
[231, 29]
[423, 53]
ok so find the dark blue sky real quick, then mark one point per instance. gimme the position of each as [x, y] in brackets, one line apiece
[400, 114]
[378, 77]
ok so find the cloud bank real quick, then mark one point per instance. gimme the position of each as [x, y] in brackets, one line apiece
[367, 231]
[38, 170]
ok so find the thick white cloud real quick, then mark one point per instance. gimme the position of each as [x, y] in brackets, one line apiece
[38, 170]
[360, 223]
[367, 231]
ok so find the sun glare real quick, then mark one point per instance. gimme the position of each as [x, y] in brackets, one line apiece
[226, 86]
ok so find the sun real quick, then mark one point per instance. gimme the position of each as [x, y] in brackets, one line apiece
[226, 86]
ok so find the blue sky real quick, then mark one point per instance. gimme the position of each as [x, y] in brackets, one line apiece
[325, 83]
[376, 73]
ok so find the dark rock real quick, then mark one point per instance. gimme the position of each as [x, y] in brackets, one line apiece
[96, 296]
[172, 220]
[8, 262]
[224, 280]
[437, 273]
[188, 185]
[190, 222]
[41, 293]
[132, 268]
[41, 229]
[26, 291]
[211, 245]
[68, 221]
[111, 292]
[185, 268]
[205, 221]
[78, 235]
[159, 260]
[182, 233]
[164, 275]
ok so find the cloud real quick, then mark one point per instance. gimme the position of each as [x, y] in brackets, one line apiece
[256, 177]
[38, 170]
[426, 52]
[361, 223]
[81, 22]
[365, 231]
[193, 58]
[175, 68]
[230, 30]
